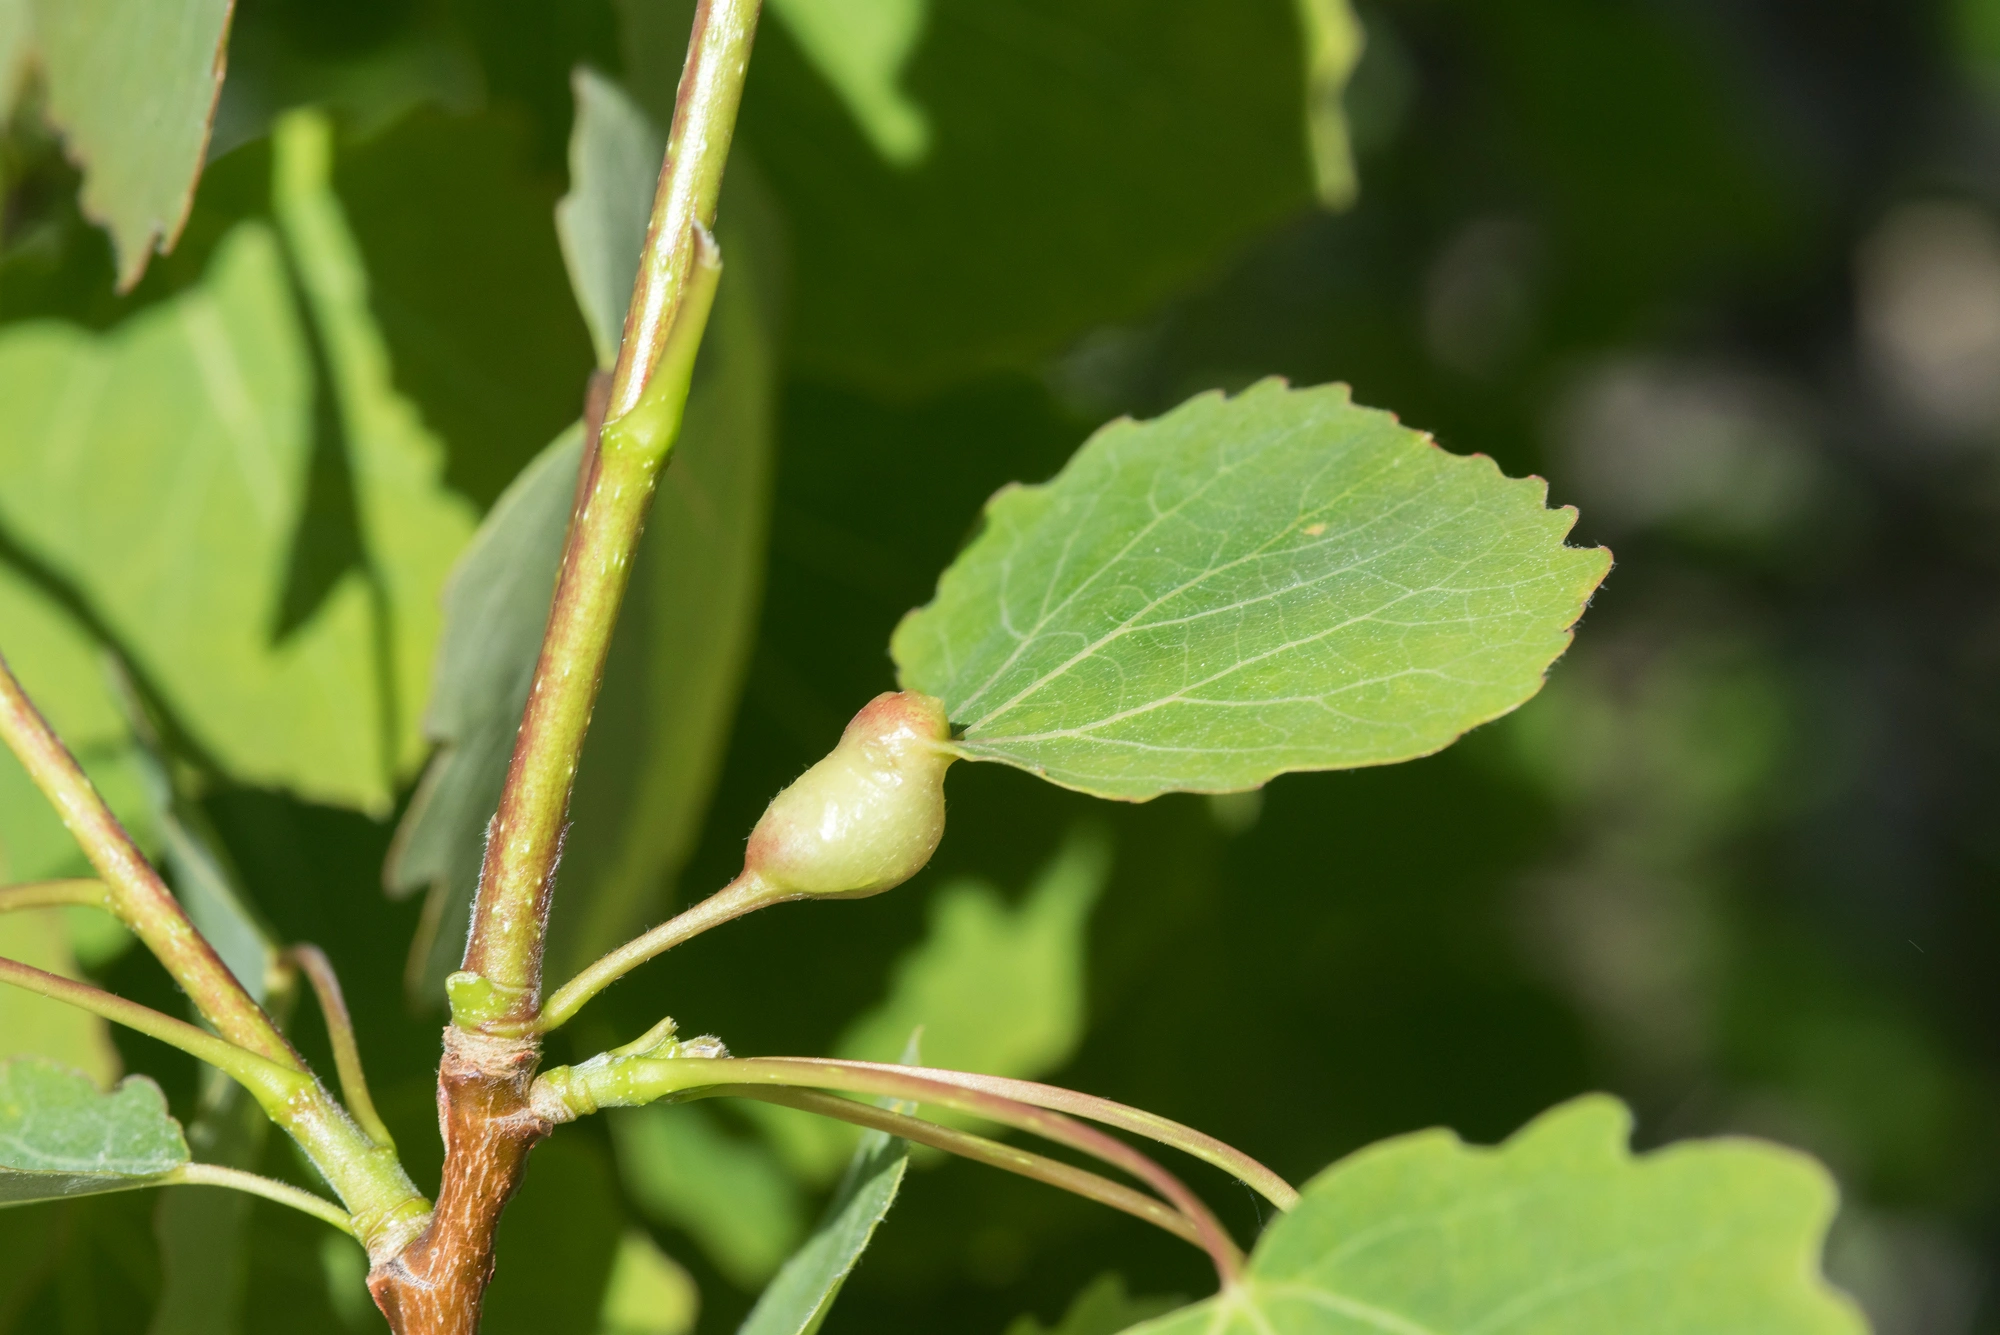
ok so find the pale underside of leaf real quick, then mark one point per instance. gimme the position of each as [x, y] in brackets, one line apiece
[861, 48]
[1560, 1231]
[1247, 586]
[132, 85]
[61, 1136]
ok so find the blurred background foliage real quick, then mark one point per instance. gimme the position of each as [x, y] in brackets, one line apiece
[1726, 272]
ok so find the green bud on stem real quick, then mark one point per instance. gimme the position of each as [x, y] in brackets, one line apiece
[867, 817]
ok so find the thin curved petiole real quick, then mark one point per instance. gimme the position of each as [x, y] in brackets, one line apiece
[1164, 1130]
[743, 895]
[312, 962]
[215, 1175]
[85, 891]
[977, 1148]
[263, 1077]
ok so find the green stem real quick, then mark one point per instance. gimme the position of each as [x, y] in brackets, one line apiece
[387, 1209]
[81, 891]
[312, 961]
[648, 392]
[745, 894]
[215, 1175]
[1199, 1145]
[632, 1081]
[977, 1148]
[136, 893]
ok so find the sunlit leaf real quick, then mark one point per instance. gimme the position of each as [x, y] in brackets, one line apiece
[132, 85]
[664, 714]
[797, 1300]
[36, 1026]
[1102, 1308]
[728, 1193]
[65, 674]
[160, 470]
[412, 527]
[17, 46]
[1333, 45]
[862, 47]
[649, 1294]
[1278, 581]
[61, 1136]
[1561, 1231]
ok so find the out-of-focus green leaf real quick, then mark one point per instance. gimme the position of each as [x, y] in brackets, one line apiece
[861, 48]
[649, 1294]
[664, 714]
[466, 281]
[798, 1298]
[1278, 581]
[36, 1026]
[614, 159]
[412, 527]
[132, 85]
[1333, 40]
[1085, 159]
[994, 988]
[1559, 1230]
[64, 673]
[495, 606]
[160, 470]
[553, 1257]
[1102, 1308]
[728, 1194]
[61, 1136]
[17, 46]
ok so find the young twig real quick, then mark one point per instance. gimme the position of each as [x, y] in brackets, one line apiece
[312, 962]
[979, 1149]
[80, 891]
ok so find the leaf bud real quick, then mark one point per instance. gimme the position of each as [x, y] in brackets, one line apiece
[867, 817]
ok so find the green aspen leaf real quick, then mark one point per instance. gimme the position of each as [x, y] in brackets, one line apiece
[798, 1298]
[132, 85]
[412, 527]
[649, 1293]
[614, 160]
[861, 48]
[1333, 38]
[727, 1193]
[1560, 1231]
[1102, 1308]
[62, 1136]
[33, 1026]
[160, 470]
[64, 672]
[663, 715]
[1247, 586]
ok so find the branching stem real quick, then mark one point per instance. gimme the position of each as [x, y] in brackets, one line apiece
[81, 891]
[649, 384]
[979, 1149]
[136, 893]
[1198, 1144]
